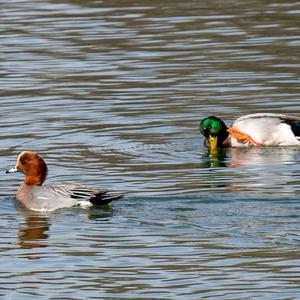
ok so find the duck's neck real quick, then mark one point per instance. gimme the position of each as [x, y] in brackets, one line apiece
[223, 137]
[34, 180]
[37, 175]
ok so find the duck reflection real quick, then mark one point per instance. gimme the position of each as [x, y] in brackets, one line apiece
[103, 213]
[237, 157]
[263, 156]
[214, 159]
[34, 231]
[261, 171]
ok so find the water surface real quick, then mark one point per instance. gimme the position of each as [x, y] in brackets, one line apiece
[111, 94]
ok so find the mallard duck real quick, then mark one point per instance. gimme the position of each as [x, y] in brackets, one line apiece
[262, 129]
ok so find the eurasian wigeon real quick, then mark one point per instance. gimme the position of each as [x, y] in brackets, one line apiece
[36, 196]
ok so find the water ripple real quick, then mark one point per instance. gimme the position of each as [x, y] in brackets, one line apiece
[111, 94]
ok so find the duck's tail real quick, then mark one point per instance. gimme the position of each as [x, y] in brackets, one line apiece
[105, 197]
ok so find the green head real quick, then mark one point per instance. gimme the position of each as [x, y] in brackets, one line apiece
[215, 131]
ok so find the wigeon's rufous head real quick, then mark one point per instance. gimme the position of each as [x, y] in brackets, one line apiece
[32, 166]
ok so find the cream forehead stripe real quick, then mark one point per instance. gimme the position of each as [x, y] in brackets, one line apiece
[19, 157]
[26, 152]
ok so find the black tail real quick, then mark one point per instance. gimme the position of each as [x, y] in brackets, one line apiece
[105, 197]
[295, 126]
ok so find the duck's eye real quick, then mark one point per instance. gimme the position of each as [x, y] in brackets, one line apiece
[23, 161]
[207, 128]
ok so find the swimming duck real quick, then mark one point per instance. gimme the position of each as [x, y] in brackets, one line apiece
[36, 196]
[261, 129]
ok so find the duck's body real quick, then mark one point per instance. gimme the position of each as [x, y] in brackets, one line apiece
[262, 129]
[61, 195]
[36, 196]
[267, 130]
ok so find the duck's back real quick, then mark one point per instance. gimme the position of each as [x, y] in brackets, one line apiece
[268, 129]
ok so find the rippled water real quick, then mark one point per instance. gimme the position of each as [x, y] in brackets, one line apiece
[111, 94]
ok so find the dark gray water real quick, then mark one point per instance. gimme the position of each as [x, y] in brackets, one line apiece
[111, 93]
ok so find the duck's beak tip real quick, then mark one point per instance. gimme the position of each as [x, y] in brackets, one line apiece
[12, 170]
